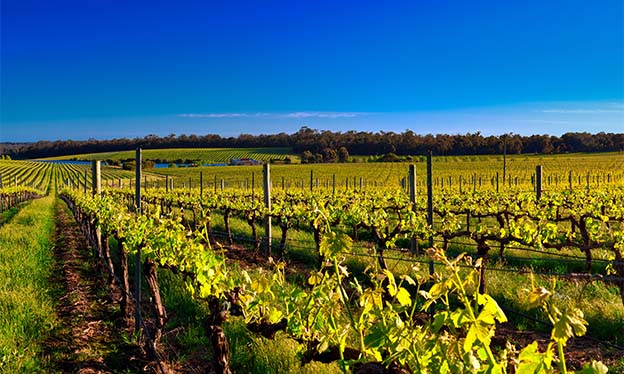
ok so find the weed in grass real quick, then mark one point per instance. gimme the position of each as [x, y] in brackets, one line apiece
[183, 310]
[618, 367]
[193, 335]
[7, 215]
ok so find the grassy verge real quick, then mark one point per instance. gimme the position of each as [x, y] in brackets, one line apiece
[26, 309]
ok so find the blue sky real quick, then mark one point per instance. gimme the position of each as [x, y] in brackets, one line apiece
[107, 68]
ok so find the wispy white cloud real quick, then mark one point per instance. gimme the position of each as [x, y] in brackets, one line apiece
[222, 115]
[323, 114]
[582, 111]
[275, 115]
[619, 105]
[611, 107]
[544, 121]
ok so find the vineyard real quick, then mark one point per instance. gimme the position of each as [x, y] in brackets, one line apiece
[205, 154]
[40, 175]
[438, 267]
[450, 173]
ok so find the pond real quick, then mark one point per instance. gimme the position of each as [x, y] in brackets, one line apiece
[160, 166]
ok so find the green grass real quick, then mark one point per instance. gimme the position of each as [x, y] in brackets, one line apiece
[26, 308]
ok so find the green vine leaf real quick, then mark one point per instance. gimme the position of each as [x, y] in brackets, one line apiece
[332, 244]
[532, 361]
[403, 297]
[570, 323]
[595, 367]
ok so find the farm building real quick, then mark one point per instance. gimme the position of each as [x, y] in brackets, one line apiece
[245, 161]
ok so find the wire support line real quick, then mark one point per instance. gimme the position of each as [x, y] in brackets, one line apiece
[462, 243]
[515, 258]
[573, 259]
[407, 251]
[400, 249]
[521, 249]
[222, 234]
[548, 324]
[517, 271]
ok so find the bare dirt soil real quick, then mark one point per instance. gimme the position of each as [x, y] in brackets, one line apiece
[91, 336]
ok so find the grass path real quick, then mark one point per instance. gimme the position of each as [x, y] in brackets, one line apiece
[26, 307]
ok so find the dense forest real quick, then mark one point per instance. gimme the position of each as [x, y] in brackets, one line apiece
[356, 143]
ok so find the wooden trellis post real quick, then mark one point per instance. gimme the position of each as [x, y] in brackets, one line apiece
[266, 174]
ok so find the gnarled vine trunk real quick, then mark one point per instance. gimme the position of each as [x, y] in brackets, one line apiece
[151, 275]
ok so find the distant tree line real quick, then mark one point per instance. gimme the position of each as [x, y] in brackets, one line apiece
[326, 146]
